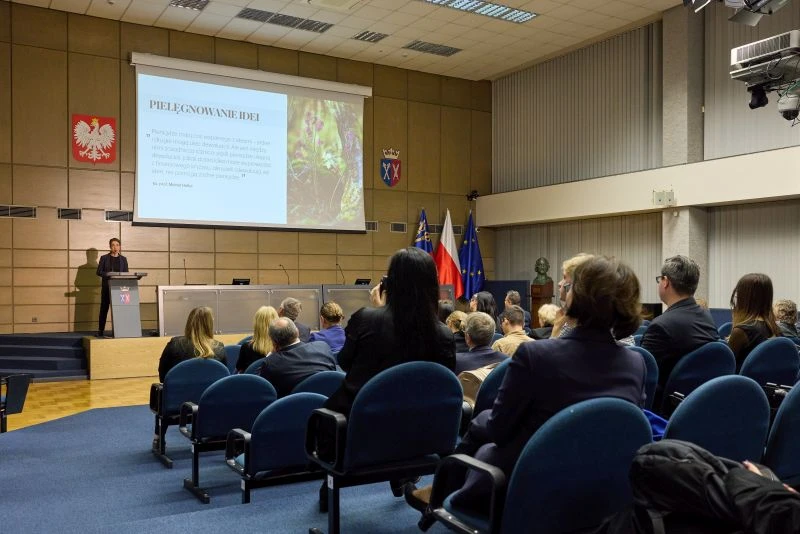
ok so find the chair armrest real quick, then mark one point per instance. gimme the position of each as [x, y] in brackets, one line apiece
[449, 475]
[323, 418]
[237, 442]
[467, 411]
[187, 415]
[156, 390]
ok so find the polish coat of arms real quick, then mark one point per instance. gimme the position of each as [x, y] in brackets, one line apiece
[391, 167]
[94, 139]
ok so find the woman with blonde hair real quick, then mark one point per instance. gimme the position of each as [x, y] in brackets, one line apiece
[332, 333]
[197, 342]
[563, 325]
[261, 344]
[455, 322]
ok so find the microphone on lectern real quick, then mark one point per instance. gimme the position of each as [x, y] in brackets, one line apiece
[344, 280]
[286, 272]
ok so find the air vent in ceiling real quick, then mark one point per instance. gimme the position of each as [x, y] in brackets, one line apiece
[398, 227]
[371, 226]
[488, 9]
[71, 214]
[287, 21]
[195, 5]
[119, 215]
[370, 37]
[432, 48]
[23, 212]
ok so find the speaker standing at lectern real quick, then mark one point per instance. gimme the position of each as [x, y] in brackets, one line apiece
[113, 262]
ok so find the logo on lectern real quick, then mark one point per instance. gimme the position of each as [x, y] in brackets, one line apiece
[125, 297]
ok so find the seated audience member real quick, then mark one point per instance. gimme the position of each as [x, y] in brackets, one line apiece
[703, 303]
[291, 308]
[513, 299]
[196, 342]
[753, 320]
[483, 301]
[786, 317]
[455, 322]
[563, 323]
[546, 376]
[547, 315]
[478, 331]
[684, 326]
[332, 333]
[292, 361]
[446, 307]
[261, 344]
[511, 321]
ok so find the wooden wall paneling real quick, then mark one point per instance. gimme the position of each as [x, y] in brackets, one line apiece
[191, 46]
[45, 28]
[317, 243]
[387, 243]
[428, 201]
[236, 53]
[390, 127]
[369, 143]
[458, 206]
[236, 262]
[39, 100]
[191, 276]
[51, 295]
[88, 234]
[36, 328]
[145, 39]
[40, 277]
[352, 244]
[274, 261]
[369, 211]
[40, 258]
[5, 257]
[390, 82]
[6, 233]
[456, 141]
[357, 72]
[148, 238]
[194, 260]
[277, 276]
[39, 186]
[319, 262]
[318, 277]
[145, 261]
[278, 242]
[155, 277]
[225, 276]
[44, 232]
[5, 22]
[126, 188]
[94, 189]
[422, 166]
[482, 96]
[191, 240]
[126, 126]
[5, 98]
[390, 205]
[236, 240]
[355, 263]
[6, 194]
[5, 297]
[93, 35]
[5, 277]
[456, 92]
[278, 60]
[317, 66]
[424, 87]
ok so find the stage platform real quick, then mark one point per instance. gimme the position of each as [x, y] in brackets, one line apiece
[132, 357]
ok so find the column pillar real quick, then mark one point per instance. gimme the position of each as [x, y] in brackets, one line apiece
[685, 231]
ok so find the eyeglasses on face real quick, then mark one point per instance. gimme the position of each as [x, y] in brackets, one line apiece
[659, 278]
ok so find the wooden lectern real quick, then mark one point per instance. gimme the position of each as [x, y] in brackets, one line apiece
[540, 294]
[125, 316]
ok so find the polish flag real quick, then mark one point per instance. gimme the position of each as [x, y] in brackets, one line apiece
[446, 259]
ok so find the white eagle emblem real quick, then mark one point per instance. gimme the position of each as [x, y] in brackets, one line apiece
[94, 139]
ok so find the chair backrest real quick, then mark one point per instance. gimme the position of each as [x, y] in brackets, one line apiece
[187, 381]
[728, 416]
[488, 390]
[646, 322]
[774, 360]
[637, 340]
[255, 367]
[278, 434]
[496, 336]
[724, 329]
[698, 367]
[233, 402]
[324, 383]
[16, 391]
[781, 453]
[232, 356]
[651, 380]
[566, 479]
[408, 411]
[245, 340]
[640, 330]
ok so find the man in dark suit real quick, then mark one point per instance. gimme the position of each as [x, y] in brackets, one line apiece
[291, 308]
[113, 262]
[291, 360]
[478, 332]
[684, 326]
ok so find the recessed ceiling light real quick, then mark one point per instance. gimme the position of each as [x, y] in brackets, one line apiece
[196, 5]
[370, 37]
[432, 48]
[488, 9]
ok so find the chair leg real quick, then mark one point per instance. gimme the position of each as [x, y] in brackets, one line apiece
[193, 485]
[245, 492]
[333, 505]
[3, 427]
[161, 451]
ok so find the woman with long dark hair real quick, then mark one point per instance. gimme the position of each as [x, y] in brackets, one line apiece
[753, 319]
[483, 301]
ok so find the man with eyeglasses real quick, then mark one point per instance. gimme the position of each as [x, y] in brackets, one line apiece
[684, 326]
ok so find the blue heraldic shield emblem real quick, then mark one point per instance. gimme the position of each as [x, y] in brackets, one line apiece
[391, 167]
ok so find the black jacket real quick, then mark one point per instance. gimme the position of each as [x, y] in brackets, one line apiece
[179, 349]
[104, 266]
[288, 367]
[478, 357]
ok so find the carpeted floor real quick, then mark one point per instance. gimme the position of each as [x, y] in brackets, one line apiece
[93, 472]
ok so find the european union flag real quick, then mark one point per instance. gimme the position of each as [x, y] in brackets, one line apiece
[471, 262]
[423, 239]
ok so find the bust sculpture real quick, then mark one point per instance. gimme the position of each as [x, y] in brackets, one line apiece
[541, 268]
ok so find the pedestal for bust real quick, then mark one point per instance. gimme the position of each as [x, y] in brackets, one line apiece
[540, 294]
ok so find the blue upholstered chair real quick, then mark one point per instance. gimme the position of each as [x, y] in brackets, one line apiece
[566, 479]
[781, 453]
[696, 368]
[651, 380]
[273, 451]
[724, 329]
[185, 382]
[496, 336]
[645, 322]
[637, 340]
[255, 367]
[774, 360]
[640, 331]
[728, 416]
[12, 399]
[490, 386]
[245, 340]
[402, 421]
[232, 402]
[232, 356]
[324, 383]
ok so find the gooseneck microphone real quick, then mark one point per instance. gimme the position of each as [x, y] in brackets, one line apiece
[285, 272]
[344, 280]
[185, 278]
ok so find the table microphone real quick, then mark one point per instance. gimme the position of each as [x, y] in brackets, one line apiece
[185, 278]
[286, 272]
[344, 280]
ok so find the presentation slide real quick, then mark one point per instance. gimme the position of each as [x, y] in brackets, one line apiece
[213, 153]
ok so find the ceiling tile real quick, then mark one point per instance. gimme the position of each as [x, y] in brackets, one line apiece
[176, 18]
[221, 8]
[208, 23]
[102, 9]
[142, 13]
[73, 6]
[239, 29]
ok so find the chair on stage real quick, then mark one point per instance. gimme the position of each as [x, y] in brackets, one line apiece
[651, 380]
[781, 452]
[233, 402]
[401, 423]
[696, 368]
[728, 416]
[772, 361]
[273, 451]
[232, 356]
[185, 382]
[567, 479]
[323, 382]
[13, 390]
